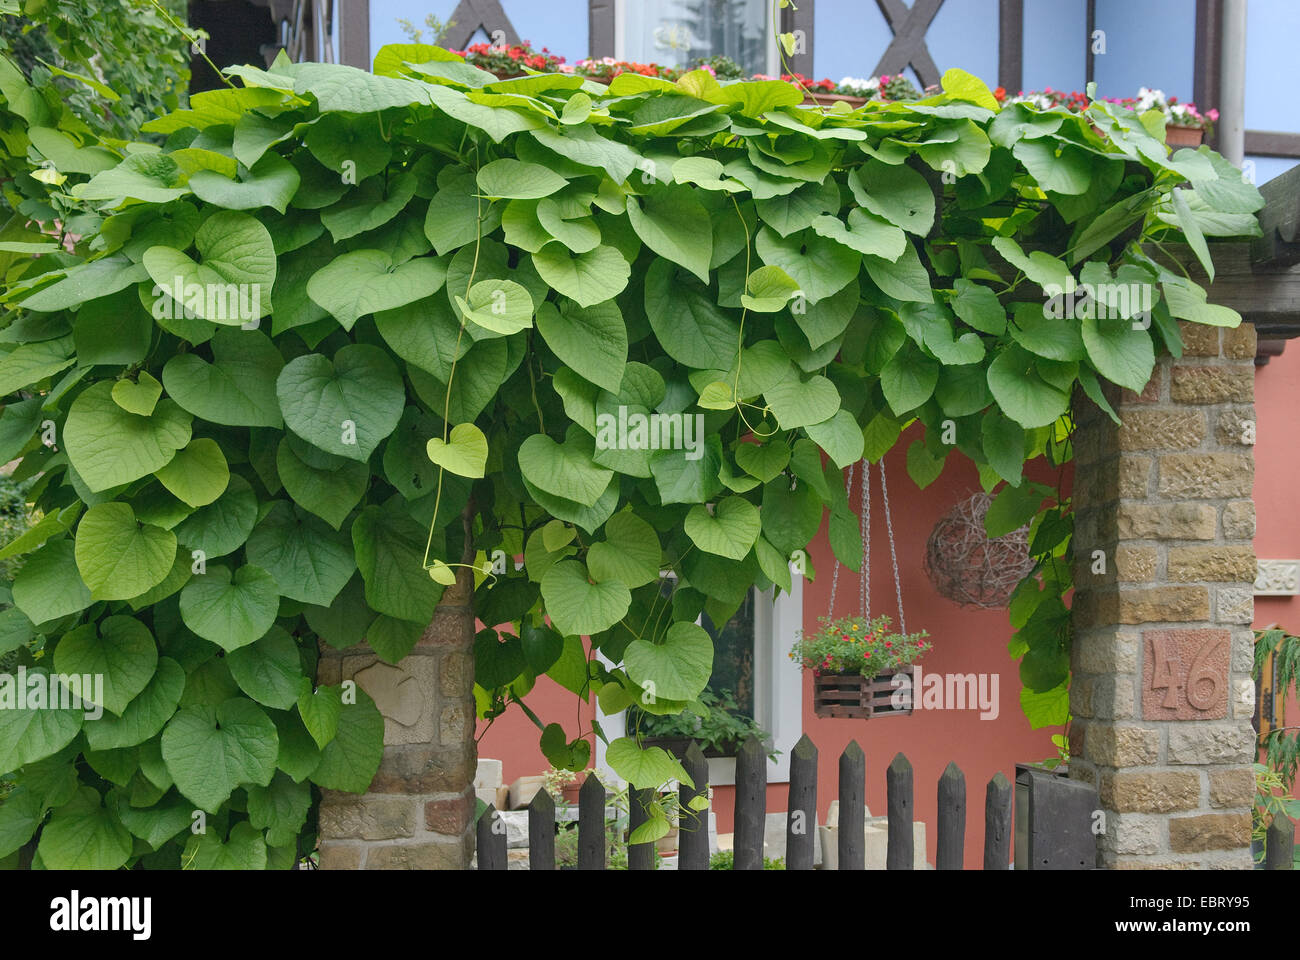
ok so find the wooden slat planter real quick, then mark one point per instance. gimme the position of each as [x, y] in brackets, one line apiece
[853, 696]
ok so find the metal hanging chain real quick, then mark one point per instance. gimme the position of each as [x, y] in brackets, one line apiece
[864, 582]
[835, 576]
[893, 553]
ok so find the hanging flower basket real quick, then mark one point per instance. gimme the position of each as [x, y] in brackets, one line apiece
[857, 697]
[854, 660]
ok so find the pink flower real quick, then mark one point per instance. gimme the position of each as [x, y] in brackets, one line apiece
[1213, 115]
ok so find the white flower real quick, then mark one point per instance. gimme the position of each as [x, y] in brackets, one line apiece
[1148, 98]
[861, 83]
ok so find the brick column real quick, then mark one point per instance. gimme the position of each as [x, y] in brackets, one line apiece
[418, 814]
[1161, 692]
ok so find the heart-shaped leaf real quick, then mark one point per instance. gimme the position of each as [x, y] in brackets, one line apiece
[310, 562]
[592, 341]
[237, 269]
[119, 557]
[678, 668]
[271, 182]
[270, 670]
[120, 649]
[588, 278]
[730, 531]
[647, 768]
[501, 306]
[146, 714]
[768, 290]
[563, 470]
[237, 389]
[244, 849]
[629, 553]
[139, 397]
[209, 751]
[514, 179]
[367, 281]
[579, 608]
[232, 612]
[198, 474]
[110, 447]
[464, 453]
[345, 407]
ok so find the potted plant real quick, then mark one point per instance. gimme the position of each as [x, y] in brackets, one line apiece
[513, 60]
[563, 785]
[715, 723]
[854, 662]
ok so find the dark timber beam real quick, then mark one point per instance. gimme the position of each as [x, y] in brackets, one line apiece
[908, 46]
[1011, 45]
[470, 16]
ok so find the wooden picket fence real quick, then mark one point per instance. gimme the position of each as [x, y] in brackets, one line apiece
[751, 809]
[750, 817]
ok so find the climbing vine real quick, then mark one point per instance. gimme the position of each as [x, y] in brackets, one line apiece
[346, 335]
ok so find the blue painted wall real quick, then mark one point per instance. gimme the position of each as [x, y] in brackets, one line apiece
[1272, 68]
[560, 25]
[1054, 44]
[1150, 43]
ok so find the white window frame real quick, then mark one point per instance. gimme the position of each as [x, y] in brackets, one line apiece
[773, 65]
[778, 689]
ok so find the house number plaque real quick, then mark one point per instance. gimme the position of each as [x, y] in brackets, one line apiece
[1185, 674]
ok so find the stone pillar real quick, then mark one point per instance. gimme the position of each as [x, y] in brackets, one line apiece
[1161, 692]
[418, 814]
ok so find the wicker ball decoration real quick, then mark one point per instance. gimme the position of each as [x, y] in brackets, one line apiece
[966, 566]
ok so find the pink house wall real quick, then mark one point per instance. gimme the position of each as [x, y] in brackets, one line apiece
[966, 640]
[1277, 468]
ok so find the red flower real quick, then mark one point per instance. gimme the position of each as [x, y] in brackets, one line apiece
[888, 644]
[1000, 94]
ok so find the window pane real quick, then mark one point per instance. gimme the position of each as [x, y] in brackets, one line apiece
[733, 656]
[676, 32]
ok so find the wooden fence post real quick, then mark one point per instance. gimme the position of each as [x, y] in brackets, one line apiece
[491, 840]
[591, 825]
[853, 794]
[997, 822]
[1280, 850]
[640, 856]
[952, 819]
[693, 825]
[751, 804]
[801, 822]
[541, 832]
[898, 783]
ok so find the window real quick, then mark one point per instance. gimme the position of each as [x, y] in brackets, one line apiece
[677, 32]
[751, 659]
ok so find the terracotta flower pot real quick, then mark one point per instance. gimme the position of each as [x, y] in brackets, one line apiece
[570, 791]
[1184, 136]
